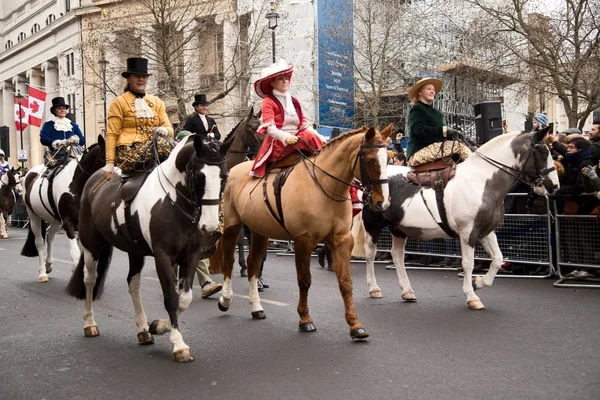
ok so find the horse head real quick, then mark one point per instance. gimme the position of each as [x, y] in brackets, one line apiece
[14, 180]
[92, 159]
[206, 175]
[372, 163]
[537, 169]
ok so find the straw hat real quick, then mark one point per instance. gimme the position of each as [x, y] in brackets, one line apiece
[262, 86]
[414, 91]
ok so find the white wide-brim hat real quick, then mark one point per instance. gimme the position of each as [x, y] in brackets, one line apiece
[262, 86]
[414, 91]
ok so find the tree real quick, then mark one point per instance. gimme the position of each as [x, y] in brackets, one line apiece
[192, 46]
[557, 52]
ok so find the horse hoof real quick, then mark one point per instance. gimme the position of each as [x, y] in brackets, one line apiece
[376, 294]
[48, 268]
[258, 314]
[244, 272]
[359, 333]
[43, 279]
[91, 331]
[4, 236]
[409, 296]
[145, 337]
[183, 356]
[222, 307]
[152, 328]
[308, 327]
[475, 305]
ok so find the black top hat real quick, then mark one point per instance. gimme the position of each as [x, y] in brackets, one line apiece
[199, 99]
[138, 66]
[57, 102]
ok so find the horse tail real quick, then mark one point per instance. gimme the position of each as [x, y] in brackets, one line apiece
[29, 249]
[76, 286]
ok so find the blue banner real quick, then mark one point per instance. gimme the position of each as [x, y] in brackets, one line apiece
[336, 71]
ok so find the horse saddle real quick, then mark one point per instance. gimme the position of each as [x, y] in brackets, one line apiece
[434, 174]
[283, 168]
[131, 184]
[288, 161]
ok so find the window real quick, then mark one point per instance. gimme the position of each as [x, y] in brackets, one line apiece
[8, 45]
[72, 106]
[170, 50]
[35, 28]
[50, 19]
[67, 5]
[21, 37]
[210, 53]
[70, 64]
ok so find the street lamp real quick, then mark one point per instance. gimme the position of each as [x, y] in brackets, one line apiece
[19, 97]
[103, 63]
[272, 17]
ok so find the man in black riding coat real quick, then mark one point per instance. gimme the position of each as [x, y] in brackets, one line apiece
[200, 123]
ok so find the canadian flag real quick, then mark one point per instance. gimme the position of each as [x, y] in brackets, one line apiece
[37, 99]
[22, 115]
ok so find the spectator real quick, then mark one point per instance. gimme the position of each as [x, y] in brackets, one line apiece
[400, 159]
[577, 155]
[595, 139]
[540, 121]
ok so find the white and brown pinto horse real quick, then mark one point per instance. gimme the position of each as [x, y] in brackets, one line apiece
[9, 184]
[53, 199]
[314, 207]
[168, 219]
[474, 204]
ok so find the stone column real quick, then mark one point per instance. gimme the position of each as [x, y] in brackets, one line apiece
[37, 150]
[22, 142]
[8, 119]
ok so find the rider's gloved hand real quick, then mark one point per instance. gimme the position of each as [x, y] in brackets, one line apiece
[291, 139]
[161, 131]
[57, 143]
[454, 134]
[74, 139]
[589, 172]
[108, 169]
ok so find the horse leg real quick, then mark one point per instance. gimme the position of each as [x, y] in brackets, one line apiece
[227, 243]
[468, 259]
[90, 329]
[174, 304]
[3, 233]
[490, 244]
[258, 248]
[303, 246]
[67, 212]
[370, 251]
[398, 244]
[134, 280]
[50, 235]
[36, 228]
[241, 256]
[342, 248]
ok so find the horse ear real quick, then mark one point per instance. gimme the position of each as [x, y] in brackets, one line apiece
[250, 112]
[101, 141]
[370, 134]
[387, 131]
[259, 114]
[198, 144]
[539, 135]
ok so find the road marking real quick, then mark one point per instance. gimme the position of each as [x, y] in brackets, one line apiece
[273, 302]
[64, 262]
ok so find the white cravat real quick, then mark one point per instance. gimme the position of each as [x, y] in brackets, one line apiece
[63, 124]
[204, 121]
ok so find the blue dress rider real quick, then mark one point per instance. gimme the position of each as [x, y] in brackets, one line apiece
[4, 167]
[60, 132]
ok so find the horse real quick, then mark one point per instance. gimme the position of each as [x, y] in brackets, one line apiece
[9, 183]
[53, 198]
[314, 207]
[180, 196]
[236, 143]
[474, 204]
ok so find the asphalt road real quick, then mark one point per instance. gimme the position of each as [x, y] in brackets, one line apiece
[533, 341]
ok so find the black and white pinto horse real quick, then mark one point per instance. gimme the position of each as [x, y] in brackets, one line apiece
[56, 204]
[177, 205]
[9, 184]
[474, 204]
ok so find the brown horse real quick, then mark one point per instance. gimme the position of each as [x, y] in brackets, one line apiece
[314, 207]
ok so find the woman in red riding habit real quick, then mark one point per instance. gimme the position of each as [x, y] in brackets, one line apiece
[283, 119]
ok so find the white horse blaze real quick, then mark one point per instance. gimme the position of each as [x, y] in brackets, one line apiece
[382, 156]
[209, 220]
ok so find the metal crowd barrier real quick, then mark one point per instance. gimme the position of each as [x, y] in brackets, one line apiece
[578, 244]
[523, 239]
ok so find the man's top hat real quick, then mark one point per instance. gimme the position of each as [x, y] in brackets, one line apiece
[137, 66]
[57, 102]
[199, 99]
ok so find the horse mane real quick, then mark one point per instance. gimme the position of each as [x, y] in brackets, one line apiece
[342, 137]
[231, 135]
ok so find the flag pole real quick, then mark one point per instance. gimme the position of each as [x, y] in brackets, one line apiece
[19, 97]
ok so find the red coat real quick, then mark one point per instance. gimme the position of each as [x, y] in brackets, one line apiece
[271, 149]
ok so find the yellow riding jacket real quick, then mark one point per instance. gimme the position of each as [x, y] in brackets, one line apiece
[124, 128]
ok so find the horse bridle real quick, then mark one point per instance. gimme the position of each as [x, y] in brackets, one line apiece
[244, 151]
[194, 202]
